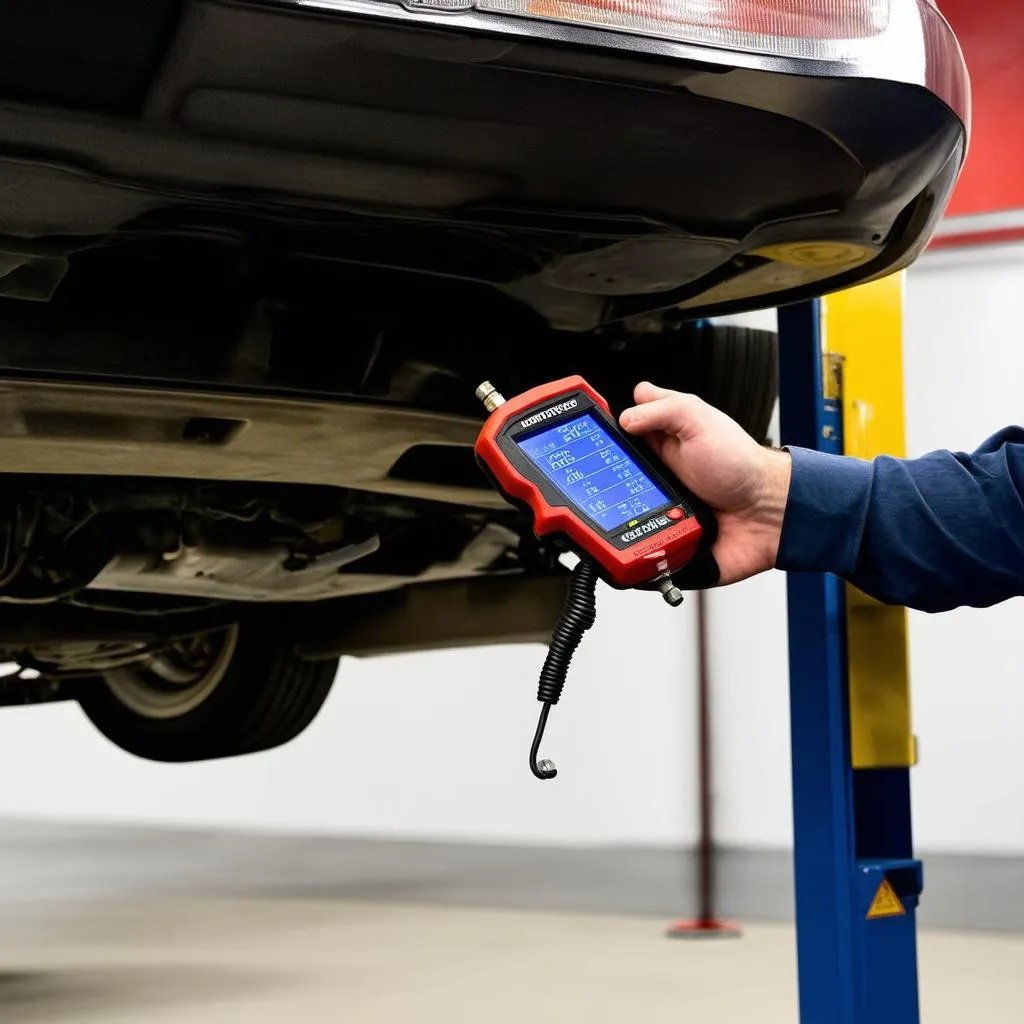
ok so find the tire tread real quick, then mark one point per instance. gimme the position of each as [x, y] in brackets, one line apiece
[267, 697]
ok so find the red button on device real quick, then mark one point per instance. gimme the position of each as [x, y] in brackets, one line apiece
[675, 513]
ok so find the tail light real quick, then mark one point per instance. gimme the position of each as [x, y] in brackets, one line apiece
[777, 26]
[945, 71]
[908, 40]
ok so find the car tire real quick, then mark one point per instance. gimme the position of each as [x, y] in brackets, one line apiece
[250, 692]
[737, 371]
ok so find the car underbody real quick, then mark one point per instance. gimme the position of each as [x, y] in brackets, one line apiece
[176, 442]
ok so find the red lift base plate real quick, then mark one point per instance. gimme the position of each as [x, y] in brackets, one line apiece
[703, 930]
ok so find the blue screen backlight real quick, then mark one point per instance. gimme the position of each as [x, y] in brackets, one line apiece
[593, 471]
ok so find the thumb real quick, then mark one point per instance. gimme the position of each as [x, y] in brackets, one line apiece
[645, 392]
[674, 414]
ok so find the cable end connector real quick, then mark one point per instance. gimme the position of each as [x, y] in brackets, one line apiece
[490, 396]
[671, 593]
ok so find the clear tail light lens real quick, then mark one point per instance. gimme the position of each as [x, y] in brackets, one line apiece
[945, 70]
[790, 26]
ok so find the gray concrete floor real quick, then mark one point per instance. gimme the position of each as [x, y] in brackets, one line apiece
[157, 927]
[214, 960]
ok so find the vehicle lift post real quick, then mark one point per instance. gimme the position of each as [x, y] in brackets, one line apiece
[857, 882]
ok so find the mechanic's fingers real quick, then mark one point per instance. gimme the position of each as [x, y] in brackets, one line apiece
[675, 414]
[645, 391]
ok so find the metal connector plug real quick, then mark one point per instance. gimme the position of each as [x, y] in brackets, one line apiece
[490, 396]
[671, 593]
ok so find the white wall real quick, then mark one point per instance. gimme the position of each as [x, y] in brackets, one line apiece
[749, 672]
[965, 369]
[435, 744]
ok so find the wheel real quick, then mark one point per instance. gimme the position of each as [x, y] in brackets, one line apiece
[221, 694]
[737, 371]
[734, 368]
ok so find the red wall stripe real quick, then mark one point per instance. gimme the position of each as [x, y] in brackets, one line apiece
[991, 33]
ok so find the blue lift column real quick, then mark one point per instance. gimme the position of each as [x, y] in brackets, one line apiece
[857, 882]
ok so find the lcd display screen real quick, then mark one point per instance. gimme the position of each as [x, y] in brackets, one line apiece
[585, 462]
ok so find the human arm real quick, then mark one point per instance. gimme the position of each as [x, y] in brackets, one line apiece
[932, 533]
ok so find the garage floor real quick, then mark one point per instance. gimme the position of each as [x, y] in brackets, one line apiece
[208, 961]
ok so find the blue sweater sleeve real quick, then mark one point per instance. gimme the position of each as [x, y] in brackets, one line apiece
[932, 533]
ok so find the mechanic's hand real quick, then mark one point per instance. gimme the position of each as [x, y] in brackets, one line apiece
[715, 458]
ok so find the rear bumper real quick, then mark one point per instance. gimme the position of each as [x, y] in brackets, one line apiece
[593, 175]
[920, 48]
[899, 113]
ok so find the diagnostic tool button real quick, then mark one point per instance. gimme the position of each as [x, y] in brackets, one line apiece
[675, 513]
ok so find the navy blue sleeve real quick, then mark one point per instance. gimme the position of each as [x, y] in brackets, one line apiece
[933, 533]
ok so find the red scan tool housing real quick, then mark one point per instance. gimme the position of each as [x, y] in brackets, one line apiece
[644, 547]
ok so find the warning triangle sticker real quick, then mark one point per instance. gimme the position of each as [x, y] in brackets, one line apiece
[886, 903]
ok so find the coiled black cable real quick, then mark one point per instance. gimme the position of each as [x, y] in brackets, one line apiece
[577, 617]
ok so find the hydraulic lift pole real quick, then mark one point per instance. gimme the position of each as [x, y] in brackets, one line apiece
[857, 882]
